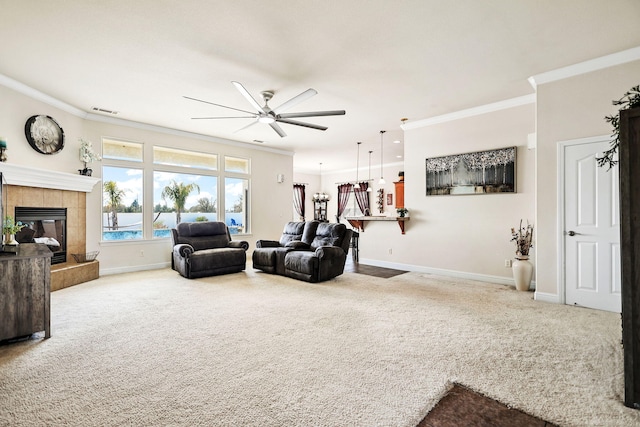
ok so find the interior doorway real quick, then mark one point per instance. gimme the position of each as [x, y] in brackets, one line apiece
[589, 223]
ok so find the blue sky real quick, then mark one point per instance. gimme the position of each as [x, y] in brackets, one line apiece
[130, 180]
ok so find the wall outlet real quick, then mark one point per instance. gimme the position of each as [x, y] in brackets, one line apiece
[507, 263]
[390, 251]
[141, 253]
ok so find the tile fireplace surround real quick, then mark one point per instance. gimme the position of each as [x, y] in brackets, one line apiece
[30, 187]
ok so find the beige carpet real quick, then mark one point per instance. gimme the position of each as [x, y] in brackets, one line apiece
[252, 349]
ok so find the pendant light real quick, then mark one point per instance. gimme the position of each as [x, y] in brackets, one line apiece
[322, 196]
[369, 189]
[382, 181]
[358, 163]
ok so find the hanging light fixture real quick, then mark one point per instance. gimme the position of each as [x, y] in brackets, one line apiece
[382, 181]
[369, 189]
[321, 197]
[358, 163]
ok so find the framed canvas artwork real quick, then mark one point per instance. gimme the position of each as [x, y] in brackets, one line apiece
[480, 172]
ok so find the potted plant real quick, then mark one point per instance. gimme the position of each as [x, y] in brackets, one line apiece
[9, 229]
[87, 155]
[402, 212]
[631, 99]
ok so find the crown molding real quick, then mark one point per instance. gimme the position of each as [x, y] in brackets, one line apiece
[182, 133]
[585, 67]
[49, 100]
[40, 96]
[470, 112]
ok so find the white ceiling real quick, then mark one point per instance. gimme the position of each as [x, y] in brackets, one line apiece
[380, 60]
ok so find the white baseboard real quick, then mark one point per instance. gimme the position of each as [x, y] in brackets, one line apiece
[508, 281]
[546, 297]
[134, 268]
[501, 280]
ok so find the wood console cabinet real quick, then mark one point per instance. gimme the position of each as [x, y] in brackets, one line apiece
[399, 194]
[25, 285]
[630, 255]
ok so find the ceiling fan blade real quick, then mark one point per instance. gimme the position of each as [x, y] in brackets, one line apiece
[278, 129]
[234, 117]
[217, 105]
[247, 95]
[295, 101]
[247, 126]
[307, 125]
[312, 114]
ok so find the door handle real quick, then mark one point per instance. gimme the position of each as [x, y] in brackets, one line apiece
[572, 233]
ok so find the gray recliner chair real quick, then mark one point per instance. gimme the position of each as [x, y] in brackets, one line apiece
[325, 257]
[310, 251]
[203, 249]
[269, 254]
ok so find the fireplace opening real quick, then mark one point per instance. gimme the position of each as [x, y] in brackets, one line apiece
[47, 226]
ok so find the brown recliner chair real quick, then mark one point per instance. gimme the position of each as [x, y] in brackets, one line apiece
[205, 249]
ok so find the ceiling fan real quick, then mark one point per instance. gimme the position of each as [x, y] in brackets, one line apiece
[274, 116]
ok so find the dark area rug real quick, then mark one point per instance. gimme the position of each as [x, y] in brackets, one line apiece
[462, 407]
[371, 270]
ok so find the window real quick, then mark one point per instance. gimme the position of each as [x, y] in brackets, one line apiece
[235, 164]
[122, 203]
[236, 192]
[179, 197]
[185, 159]
[121, 150]
[180, 185]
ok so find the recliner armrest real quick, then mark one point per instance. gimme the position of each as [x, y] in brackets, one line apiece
[268, 244]
[298, 245]
[329, 252]
[183, 249]
[240, 244]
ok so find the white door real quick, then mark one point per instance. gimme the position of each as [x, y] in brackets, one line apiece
[591, 228]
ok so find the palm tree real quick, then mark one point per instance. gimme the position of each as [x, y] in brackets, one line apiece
[114, 196]
[178, 193]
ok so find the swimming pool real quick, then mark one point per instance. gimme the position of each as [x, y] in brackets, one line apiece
[158, 233]
[134, 234]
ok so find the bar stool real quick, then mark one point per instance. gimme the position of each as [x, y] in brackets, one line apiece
[355, 237]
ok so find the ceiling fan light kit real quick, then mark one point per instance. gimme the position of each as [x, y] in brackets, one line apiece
[274, 116]
[266, 119]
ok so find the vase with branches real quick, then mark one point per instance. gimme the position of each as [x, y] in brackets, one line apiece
[523, 237]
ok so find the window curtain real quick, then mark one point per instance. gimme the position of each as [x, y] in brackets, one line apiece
[344, 191]
[298, 199]
[362, 197]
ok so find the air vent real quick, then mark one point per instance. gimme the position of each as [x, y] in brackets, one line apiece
[257, 141]
[104, 110]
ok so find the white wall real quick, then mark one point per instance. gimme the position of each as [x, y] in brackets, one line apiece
[460, 234]
[270, 203]
[568, 109]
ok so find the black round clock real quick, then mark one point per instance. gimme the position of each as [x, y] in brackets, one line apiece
[44, 134]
